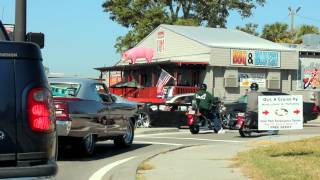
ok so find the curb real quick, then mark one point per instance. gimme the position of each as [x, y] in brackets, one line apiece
[311, 125]
[155, 131]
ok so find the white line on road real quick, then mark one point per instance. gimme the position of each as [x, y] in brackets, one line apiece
[161, 143]
[196, 139]
[161, 134]
[98, 175]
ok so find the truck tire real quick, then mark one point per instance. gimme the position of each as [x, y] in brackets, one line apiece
[127, 139]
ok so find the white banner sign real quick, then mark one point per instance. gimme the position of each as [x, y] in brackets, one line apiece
[280, 112]
[246, 79]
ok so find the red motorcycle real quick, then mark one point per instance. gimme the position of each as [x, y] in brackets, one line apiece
[197, 121]
[246, 129]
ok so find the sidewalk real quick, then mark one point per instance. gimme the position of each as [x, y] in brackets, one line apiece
[208, 162]
[214, 161]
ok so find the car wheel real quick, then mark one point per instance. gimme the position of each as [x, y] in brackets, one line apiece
[194, 129]
[88, 144]
[143, 121]
[127, 139]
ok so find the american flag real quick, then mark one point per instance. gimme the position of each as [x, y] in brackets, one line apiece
[163, 80]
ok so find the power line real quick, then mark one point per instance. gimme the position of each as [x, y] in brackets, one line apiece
[308, 18]
[284, 18]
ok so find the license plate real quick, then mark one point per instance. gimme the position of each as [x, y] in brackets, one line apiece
[191, 112]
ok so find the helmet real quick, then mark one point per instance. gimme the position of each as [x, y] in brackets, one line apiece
[203, 87]
[254, 86]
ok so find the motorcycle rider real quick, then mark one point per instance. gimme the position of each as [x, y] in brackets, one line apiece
[252, 106]
[204, 101]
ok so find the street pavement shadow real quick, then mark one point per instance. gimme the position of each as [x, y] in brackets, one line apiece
[257, 135]
[102, 150]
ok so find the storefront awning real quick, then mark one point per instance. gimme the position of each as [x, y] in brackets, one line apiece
[153, 64]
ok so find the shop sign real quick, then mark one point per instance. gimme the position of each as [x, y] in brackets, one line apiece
[255, 58]
[160, 42]
[310, 73]
[246, 79]
[280, 112]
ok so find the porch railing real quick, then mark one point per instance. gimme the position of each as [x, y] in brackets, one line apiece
[184, 89]
[149, 92]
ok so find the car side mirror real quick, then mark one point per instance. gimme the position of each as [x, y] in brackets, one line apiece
[37, 38]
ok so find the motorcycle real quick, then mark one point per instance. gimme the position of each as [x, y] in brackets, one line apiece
[246, 128]
[228, 119]
[197, 121]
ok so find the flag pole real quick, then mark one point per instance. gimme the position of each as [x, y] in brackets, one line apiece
[169, 74]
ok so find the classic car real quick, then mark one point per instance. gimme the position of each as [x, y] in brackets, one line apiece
[310, 110]
[168, 114]
[86, 112]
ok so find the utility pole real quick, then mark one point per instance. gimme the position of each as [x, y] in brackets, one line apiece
[292, 13]
[20, 20]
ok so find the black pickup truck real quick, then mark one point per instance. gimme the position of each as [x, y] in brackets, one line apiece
[27, 124]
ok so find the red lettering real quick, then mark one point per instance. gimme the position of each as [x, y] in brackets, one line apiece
[239, 57]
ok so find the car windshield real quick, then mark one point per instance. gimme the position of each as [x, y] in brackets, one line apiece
[65, 89]
[243, 99]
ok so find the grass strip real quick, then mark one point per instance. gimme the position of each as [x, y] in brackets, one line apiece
[282, 161]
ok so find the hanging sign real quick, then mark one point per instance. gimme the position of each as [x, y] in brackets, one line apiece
[160, 42]
[246, 79]
[255, 58]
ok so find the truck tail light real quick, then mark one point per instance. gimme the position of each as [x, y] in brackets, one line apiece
[40, 110]
[314, 108]
[62, 112]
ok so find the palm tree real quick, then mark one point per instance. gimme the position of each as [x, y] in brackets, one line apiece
[277, 32]
[303, 30]
[249, 28]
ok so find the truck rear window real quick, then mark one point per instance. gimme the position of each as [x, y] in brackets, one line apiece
[64, 89]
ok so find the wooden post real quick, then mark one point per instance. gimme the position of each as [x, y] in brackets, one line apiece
[176, 76]
[109, 78]
[140, 77]
[153, 78]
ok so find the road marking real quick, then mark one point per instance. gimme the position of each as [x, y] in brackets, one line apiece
[185, 131]
[162, 134]
[211, 140]
[104, 170]
[161, 143]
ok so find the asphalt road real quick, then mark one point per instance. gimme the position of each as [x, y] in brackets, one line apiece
[109, 162]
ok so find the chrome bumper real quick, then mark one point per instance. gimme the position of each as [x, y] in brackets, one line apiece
[63, 128]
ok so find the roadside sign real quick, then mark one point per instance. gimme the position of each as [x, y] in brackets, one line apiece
[280, 112]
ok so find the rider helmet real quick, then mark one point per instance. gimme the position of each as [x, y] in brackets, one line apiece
[254, 86]
[203, 87]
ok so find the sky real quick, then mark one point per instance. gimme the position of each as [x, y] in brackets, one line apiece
[79, 36]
